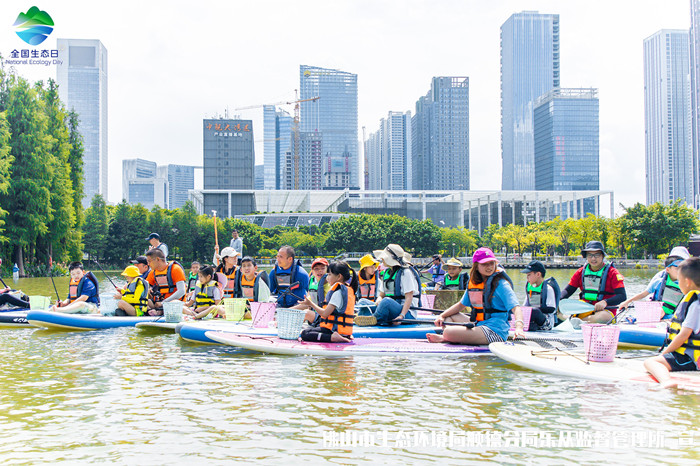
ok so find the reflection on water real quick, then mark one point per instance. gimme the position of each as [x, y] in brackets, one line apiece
[129, 396]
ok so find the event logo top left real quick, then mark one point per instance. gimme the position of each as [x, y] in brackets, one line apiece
[34, 26]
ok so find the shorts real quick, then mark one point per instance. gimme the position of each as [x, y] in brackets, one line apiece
[491, 336]
[680, 362]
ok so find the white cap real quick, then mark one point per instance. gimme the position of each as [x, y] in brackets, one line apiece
[681, 252]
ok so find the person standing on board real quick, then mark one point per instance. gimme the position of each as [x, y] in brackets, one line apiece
[237, 245]
[154, 240]
[600, 283]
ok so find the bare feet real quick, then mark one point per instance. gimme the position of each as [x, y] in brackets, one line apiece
[435, 338]
[338, 338]
[670, 383]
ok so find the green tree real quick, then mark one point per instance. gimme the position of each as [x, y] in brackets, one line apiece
[6, 160]
[96, 228]
[76, 173]
[463, 240]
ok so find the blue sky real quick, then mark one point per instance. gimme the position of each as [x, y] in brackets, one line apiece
[173, 63]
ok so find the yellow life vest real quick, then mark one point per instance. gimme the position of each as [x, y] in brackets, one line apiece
[136, 294]
[205, 295]
[692, 346]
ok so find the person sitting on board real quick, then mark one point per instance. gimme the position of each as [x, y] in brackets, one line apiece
[83, 294]
[226, 264]
[318, 281]
[601, 285]
[367, 291]
[399, 287]
[437, 271]
[664, 286]
[492, 299]
[682, 351]
[133, 298]
[286, 272]
[141, 263]
[154, 242]
[7, 297]
[250, 283]
[206, 301]
[542, 296]
[454, 279]
[167, 280]
[192, 278]
[334, 321]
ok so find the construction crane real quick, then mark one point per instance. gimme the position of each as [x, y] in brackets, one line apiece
[295, 127]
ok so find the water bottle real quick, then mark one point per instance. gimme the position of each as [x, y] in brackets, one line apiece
[15, 273]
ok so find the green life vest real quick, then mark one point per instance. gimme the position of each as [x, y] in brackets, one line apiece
[593, 283]
[534, 295]
[671, 295]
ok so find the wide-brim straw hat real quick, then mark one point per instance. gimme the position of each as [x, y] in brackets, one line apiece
[393, 255]
[454, 262]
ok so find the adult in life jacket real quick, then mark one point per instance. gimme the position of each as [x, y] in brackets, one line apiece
[682, 349]
[167, 280]
[288, 270]
[664, 286]
[600, 283]
[83, 292]
[192, 278]
[250, 283]
[334, 321]
[318, 281]
[133, 298]
[226, 264]
[542, 296]
[454, 279]
[437, 271]
[141, 264]
[492, 300]
[399, 288]
[206, 300]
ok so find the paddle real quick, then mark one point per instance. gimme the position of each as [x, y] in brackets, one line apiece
[1, 280]
[572, 307]
[434, 311]
[288, 291]
[51, 276]
[103, 271]
[427, 322]
[216, 232]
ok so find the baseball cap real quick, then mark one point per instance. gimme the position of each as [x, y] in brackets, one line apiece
[535, 266]
[140, 260]
[319, 260]
[153, 235]
[482, 255]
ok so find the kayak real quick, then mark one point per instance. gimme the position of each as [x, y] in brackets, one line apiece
[59, 320]
[195, 331]
[572, 363]
[362, 346]
[15, 319]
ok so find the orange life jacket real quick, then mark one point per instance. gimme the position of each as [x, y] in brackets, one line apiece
[341, 320]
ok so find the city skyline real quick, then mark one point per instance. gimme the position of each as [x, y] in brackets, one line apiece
[143, 111]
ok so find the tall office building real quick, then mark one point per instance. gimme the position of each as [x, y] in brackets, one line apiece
[334, 117]
[304, 170]
[277, 129]
[229, 163]
[566, 136]
[667, 118]
[529, 69]
[180, 182]
[389, 153]
[81, 75]
[143, 182]
[260, 177]
[440, 136]
[695, 96]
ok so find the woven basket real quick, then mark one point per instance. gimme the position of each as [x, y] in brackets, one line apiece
[235, 308]
[600, 341]
[289, 323]
[173, 311]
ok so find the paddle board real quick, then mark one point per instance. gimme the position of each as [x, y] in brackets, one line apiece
[62, 321]
[17, 319]
[572, 363]
[164, 326]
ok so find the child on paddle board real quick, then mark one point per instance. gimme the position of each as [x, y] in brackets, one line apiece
[682, 352]
[664, 286]
[250, 283]
[542, 296]
[492, 299]
[133, 298]
[207, 296]
[600, 283]
[333, 322]
[192, 278]
[454, 278]
[318, 281]
[83, 297]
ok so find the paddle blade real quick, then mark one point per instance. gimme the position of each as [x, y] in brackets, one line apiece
[570, 307]
[263, 292]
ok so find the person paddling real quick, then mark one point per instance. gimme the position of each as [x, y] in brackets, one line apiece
[334, 321]
[227, 262]
[492, 299]
[83, 294]
[601, 285]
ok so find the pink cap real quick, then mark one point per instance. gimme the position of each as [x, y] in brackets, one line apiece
[482, 255]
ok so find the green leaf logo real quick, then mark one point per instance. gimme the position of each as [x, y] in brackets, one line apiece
[34, 26]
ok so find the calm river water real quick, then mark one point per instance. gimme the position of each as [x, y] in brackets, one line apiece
[130, 397]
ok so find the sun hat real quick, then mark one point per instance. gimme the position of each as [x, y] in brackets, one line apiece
[319, 260]
[593, 246]
[367, 261]
[454, 262]
[535, 266]
[681, 252]
[483, 255]
[393, 255]
[131, 271]
[228, 252]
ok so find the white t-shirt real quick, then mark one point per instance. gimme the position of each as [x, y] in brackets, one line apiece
[337, 299]
[692, 317]
[408, 284]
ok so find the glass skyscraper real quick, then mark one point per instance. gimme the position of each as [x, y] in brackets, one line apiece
[180, 181]
[667, 118]
[389, 153]
[143, 182]
[440, 136]
[566, 141]
[695, 96]
[334, 117]
[529, 69]
[82, 86]
[277, 128]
